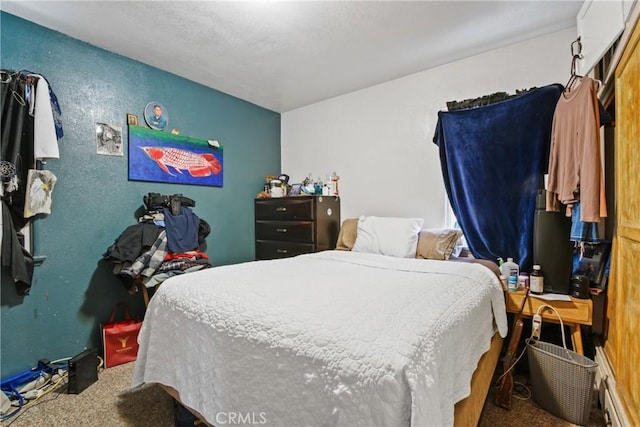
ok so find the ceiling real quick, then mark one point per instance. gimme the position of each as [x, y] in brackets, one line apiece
[284, 55]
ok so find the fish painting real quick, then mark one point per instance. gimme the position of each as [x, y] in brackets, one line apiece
[197, 164]
[156, 156]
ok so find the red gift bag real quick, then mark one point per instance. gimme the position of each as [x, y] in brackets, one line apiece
[120, 339]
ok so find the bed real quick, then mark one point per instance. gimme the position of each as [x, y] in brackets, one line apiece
[334, 338]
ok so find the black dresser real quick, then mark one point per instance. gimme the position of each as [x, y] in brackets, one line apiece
[291, 226]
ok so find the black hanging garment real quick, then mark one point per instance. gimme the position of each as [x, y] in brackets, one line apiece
[17, 158]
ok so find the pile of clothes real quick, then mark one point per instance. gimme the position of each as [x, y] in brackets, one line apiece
[166, 241]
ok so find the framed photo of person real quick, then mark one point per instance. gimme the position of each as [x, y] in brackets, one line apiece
[156, 116]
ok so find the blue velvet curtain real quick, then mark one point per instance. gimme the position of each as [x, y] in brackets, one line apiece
[493, 162]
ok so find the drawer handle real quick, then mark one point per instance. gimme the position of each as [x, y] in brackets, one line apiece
[281, 251]
[281, 230]
[281, 209]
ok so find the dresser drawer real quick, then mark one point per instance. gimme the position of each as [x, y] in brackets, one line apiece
[575, 311]
[269, 249]
[290, 231]
[298, 209]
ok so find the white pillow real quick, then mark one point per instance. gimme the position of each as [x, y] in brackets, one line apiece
[397, 237]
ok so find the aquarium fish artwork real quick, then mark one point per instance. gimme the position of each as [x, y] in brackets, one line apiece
[197, 164]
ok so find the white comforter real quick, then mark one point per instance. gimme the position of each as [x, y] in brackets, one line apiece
[327, 339]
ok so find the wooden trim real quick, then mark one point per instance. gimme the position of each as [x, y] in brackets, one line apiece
[605, 382]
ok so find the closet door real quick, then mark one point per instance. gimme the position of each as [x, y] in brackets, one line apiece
[623, 310]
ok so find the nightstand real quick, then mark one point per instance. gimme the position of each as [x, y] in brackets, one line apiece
[574, 313]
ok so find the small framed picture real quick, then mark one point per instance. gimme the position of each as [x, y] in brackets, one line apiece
[132, 120]
[109, 139]
[156, 116]
[295, 190]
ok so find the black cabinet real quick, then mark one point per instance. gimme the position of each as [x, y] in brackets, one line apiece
[291, 226]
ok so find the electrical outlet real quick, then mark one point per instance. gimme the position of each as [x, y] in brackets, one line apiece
[536, 325]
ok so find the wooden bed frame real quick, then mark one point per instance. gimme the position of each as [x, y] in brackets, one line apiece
[467, 411]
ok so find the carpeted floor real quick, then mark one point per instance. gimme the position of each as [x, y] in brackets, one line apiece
[527, 412]
[110, 403]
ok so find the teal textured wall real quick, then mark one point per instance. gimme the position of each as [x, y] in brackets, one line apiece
[73, 291]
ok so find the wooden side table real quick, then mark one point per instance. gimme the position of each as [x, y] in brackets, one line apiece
[574, 313]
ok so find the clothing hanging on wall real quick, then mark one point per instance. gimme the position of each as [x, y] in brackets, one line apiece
[30, 130]
[575, 166]
[17, 148]
[14, 255]
[582, 231]
[40, 185]
[576, 53]
[45, 131]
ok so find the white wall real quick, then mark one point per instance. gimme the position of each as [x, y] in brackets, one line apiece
[379, 139]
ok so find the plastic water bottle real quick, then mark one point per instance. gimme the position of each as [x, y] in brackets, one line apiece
[510, 268]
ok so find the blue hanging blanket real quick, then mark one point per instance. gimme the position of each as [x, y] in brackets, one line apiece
[493, 161]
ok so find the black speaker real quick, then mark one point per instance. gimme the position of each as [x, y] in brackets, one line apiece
[83, 371]
[552, 247]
